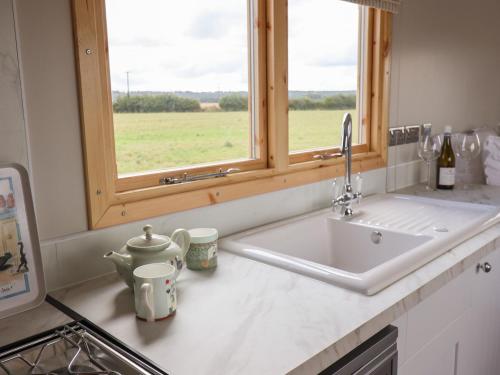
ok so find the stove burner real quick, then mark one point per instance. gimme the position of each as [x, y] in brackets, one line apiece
[69, 351]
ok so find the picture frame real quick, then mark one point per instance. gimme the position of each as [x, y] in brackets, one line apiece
[22, 285]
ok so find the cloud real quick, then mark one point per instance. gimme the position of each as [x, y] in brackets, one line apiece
[204, 68]
[202, 46]
[142, 41]
[328, 61]
[209, 25]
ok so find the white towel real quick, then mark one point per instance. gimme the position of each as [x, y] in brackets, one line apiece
[491, 159]
[493, 165]
[487, 155]
[494, 181]
[476, 168]
[492, 173]
[492, 146]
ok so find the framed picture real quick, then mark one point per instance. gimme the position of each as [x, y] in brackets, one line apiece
[21, 274]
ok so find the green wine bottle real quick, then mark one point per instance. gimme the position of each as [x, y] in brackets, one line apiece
[446, 163]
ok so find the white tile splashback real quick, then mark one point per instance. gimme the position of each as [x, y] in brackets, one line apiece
[50, 265]
[78, 257]
[406, 174]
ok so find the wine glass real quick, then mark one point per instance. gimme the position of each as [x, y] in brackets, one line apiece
[467, 146]
[429, 148]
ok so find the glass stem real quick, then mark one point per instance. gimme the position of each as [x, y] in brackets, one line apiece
[429, 175]
[467, 174]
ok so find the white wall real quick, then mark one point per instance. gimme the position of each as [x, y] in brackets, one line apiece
[445, 60]
[50, 87]
[445, 70]
[13, 146]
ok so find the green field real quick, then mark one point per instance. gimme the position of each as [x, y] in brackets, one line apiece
[149, 141]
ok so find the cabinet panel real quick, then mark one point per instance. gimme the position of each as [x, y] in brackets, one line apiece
[480, 328]
[435, 313]
[402, 324]
[436, 357]
[456, 330]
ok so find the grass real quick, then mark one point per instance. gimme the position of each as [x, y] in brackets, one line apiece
[149, 141]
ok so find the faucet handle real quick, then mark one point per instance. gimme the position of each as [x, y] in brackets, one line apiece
[337, 196]
[359, 187]
[337, 190]
[336, 187]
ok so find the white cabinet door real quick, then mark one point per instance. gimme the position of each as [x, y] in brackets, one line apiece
[432, 316]
[456, 330]
[479, 344]
[437, 357]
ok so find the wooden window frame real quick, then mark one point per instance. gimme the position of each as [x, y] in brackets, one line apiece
[112, 200]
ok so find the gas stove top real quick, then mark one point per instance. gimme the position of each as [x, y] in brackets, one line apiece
[73, 349]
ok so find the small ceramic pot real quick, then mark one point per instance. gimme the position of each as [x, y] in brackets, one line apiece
[202, 253]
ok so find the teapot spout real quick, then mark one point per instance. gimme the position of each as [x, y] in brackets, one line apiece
[123, 264]
[120, 260]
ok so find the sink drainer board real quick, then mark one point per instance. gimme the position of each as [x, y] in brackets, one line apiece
[389, 237]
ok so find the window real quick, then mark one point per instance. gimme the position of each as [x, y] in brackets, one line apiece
[180, 77]
[323, 49]
[169, 90]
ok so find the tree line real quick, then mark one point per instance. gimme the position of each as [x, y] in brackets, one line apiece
[155, 103]
[228, 103]
[341, 101]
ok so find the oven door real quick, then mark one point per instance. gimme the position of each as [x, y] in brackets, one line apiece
[376, 356]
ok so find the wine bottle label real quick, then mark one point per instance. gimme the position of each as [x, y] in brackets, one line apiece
[447, 176]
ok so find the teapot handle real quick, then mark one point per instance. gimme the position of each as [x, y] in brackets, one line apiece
[185, 240]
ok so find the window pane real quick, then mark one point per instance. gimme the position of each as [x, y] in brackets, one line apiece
[179, 79]
[323, 71]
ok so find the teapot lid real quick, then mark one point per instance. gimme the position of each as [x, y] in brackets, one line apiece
[148, 241]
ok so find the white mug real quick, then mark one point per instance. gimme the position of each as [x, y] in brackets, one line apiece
[154, 291]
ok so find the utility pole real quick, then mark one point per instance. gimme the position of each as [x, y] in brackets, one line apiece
[128, 84]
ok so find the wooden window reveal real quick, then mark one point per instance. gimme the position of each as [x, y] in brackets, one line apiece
[113, 200]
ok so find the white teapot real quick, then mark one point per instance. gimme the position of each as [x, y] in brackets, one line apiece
[150, 248]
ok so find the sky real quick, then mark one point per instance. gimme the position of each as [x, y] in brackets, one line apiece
[195, 45]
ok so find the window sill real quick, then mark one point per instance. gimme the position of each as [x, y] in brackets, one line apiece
[141, 204]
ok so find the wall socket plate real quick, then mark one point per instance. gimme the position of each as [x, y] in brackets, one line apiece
[396, 136]
[411, 133]
[404, 135]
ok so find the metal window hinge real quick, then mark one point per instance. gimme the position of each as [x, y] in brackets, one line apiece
[187, 178]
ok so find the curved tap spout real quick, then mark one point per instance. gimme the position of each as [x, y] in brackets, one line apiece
[347, 147]
[346, 132]
[342, 202]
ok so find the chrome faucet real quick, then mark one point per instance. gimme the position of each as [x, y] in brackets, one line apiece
[342, 203]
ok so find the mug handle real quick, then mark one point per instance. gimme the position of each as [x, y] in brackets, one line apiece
[185, 240]
[146, 299]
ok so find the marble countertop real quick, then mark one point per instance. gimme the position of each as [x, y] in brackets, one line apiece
[483, 194]
[31, 322]
[250, 318]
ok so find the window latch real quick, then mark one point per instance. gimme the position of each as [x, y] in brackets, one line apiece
[187, 178]
[327, 156]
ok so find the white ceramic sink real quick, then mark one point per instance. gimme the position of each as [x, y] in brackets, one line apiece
[389, 237]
